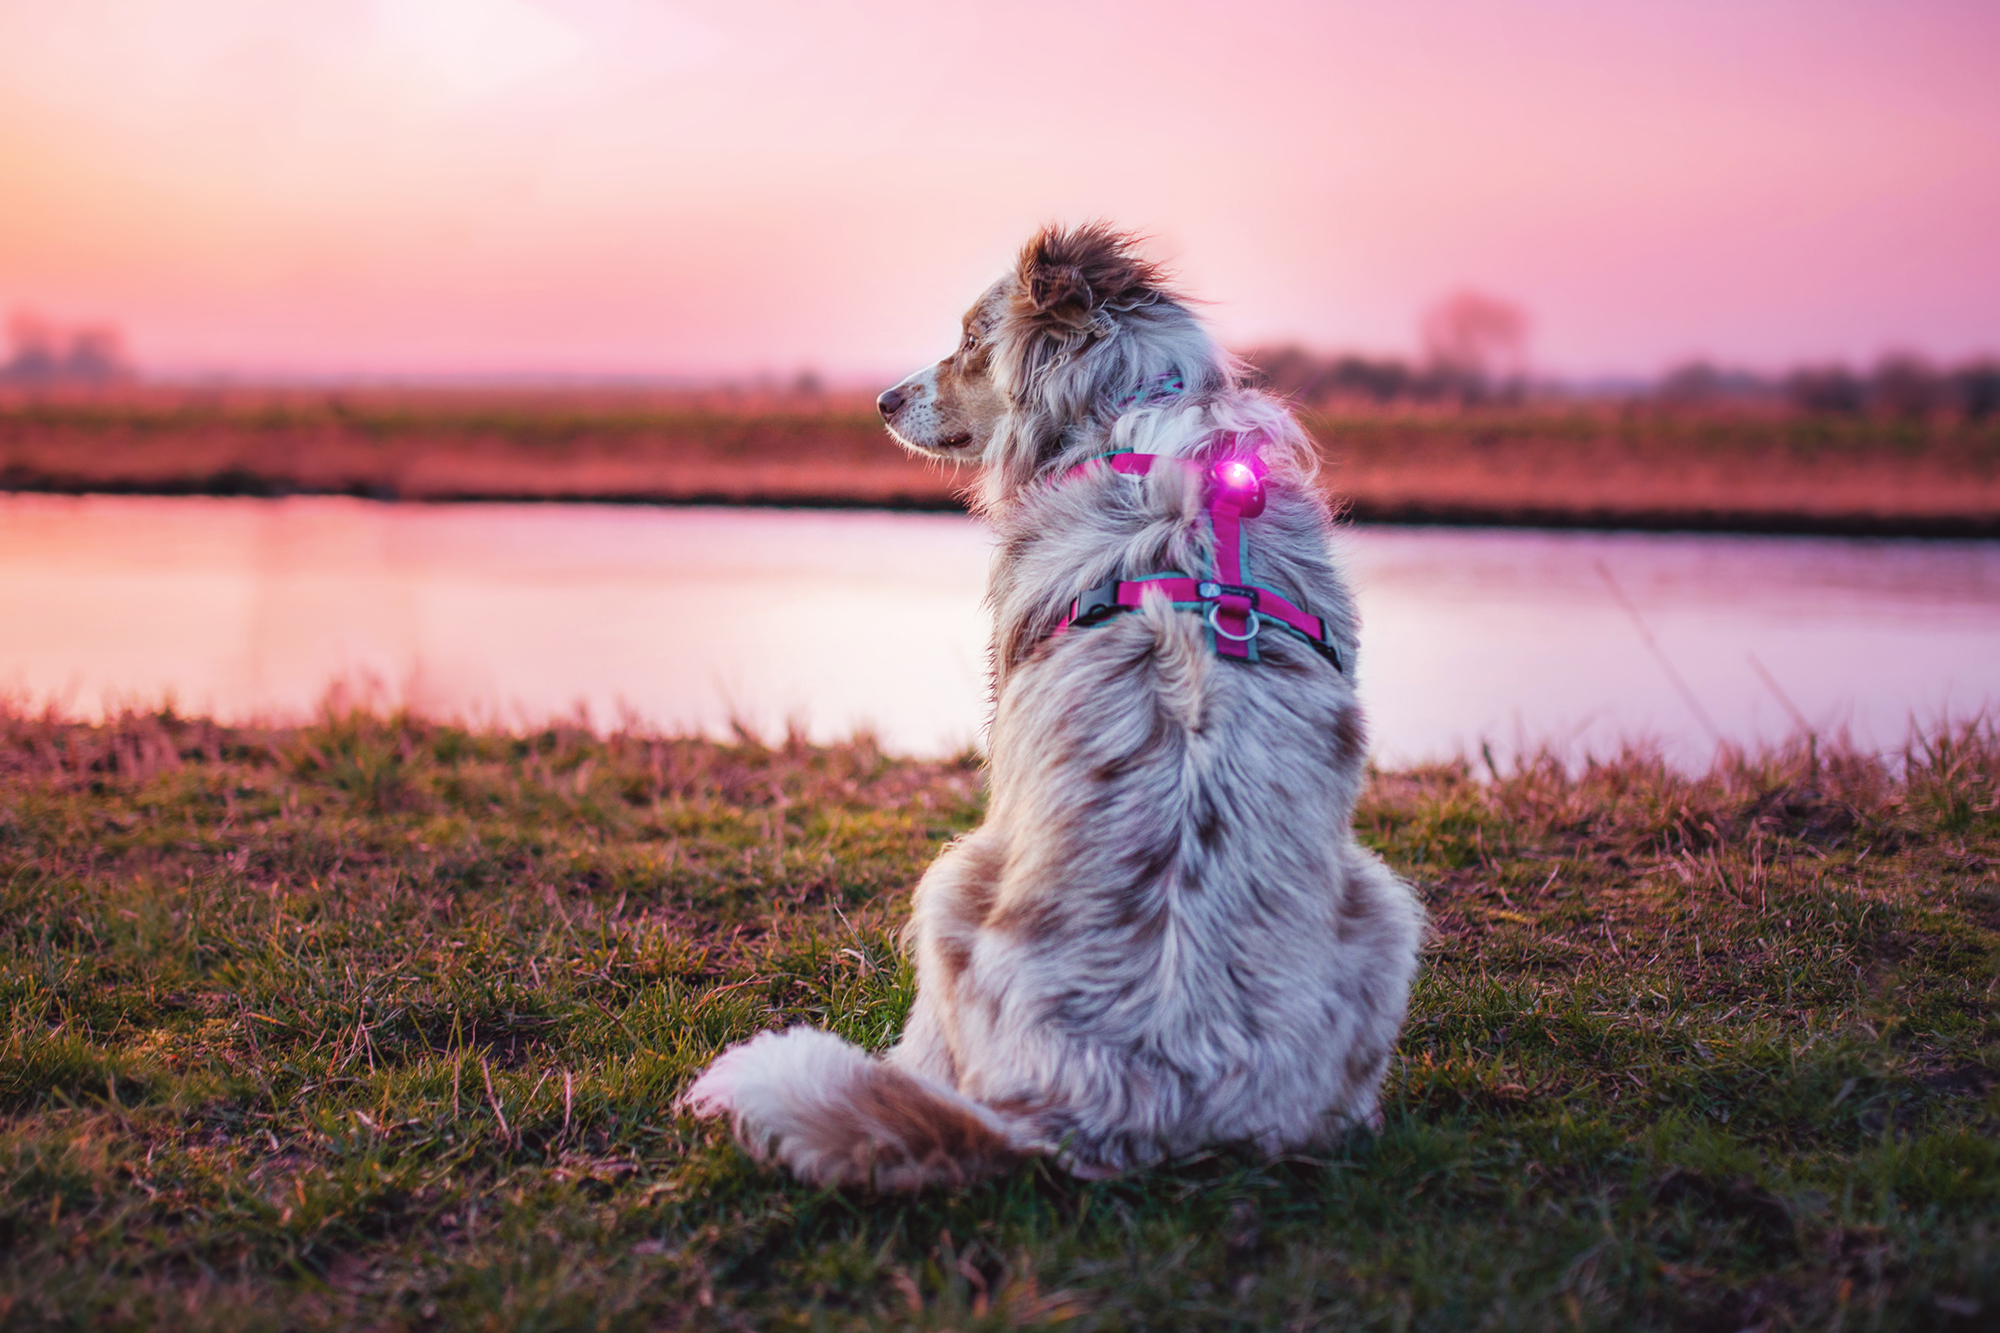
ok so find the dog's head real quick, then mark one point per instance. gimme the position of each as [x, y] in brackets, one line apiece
[1054, 349]
[949, 409]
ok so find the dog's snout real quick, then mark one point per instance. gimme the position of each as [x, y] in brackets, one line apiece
[890, 402]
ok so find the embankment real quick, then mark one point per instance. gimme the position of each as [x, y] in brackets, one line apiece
[1596, 466]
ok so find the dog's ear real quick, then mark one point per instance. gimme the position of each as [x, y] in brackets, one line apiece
[1066, 276]
[1056, 293]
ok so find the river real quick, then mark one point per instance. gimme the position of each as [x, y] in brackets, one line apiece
[682, 619]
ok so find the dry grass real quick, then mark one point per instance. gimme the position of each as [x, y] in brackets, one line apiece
[1745, 468]
[375, 1022]
[439, 445]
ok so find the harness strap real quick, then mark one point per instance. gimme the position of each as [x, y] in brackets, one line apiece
[1108, 599]
[1160, 386]
[1234, 609]
[1126, 463]
[1229, 625]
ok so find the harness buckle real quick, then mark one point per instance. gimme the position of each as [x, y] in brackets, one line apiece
[1095, 604]
[1208, 590]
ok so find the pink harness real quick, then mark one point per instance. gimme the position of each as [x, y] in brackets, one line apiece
[1234, 610]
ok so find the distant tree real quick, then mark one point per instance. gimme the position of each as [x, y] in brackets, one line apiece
[1475, 343]
[1905, 385]
[1313, 381]
[1289, 371]
[1691, 382]
[32, 340]
[97, 356]
[41, 354]
[1382, 380]
[1974, 388]
[1701, 381]
[1830, 388]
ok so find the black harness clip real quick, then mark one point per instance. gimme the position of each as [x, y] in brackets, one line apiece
[1095, 604]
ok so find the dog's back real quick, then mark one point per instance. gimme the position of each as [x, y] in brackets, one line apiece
[1164, 935]
[1185, 944]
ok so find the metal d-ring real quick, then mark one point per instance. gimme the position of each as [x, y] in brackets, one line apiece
[1216, 625]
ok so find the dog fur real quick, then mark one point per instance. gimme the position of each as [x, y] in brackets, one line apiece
[1165, 935]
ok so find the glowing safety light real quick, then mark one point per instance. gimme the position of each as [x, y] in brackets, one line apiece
[1243, 478]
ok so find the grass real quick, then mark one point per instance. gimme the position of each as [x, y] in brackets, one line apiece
[1548, 462]
[1666, 433]
[1740, 468]
[375, 1022]
[444, 444]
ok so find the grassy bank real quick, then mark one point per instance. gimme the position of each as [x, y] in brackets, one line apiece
[1744, 468]
[1747, 468]
[376, 1022]
[441, 445]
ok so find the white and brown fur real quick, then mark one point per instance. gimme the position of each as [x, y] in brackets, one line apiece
[1165, 935]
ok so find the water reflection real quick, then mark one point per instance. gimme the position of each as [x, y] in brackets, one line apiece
[683, 618]
[1524, 638]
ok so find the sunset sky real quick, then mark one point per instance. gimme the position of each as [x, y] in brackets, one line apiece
[639, 187]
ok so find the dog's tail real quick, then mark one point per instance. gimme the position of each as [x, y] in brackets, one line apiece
[836, 1115]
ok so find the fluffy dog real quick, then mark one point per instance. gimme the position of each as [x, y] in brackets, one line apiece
[1164, 935]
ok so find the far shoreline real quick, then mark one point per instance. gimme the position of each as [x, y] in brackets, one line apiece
[1412, 513]
[1587, 466]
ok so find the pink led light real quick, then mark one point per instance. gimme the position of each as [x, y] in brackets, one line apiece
[1239, 478]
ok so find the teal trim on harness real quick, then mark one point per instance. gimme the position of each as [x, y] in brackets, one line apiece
[1224, 595]
[1160, 386]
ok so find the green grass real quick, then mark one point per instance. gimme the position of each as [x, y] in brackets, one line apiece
[377, 1022]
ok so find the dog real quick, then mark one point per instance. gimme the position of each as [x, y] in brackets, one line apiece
[1164, 936]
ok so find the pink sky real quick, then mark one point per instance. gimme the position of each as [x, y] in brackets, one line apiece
[625, 186]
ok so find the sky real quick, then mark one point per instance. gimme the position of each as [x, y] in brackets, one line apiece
[631, 187]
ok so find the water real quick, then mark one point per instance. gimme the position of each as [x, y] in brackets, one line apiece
[684, 618]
